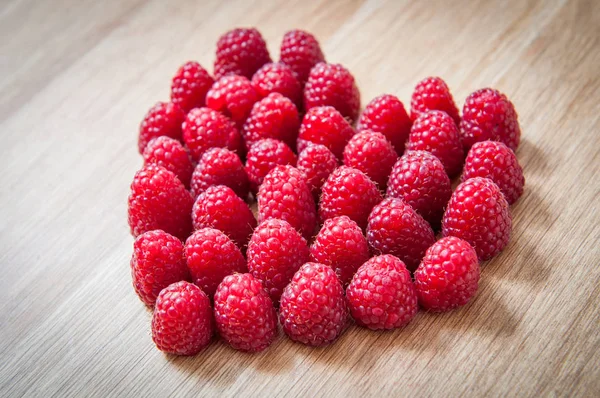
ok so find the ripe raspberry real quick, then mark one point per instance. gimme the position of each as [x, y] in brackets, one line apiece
[220, 208]
[479, 213]
[205, 128]
[284, 194]
[241, 51]
[158, 200]
[419, 179]
[326, 126]
[190, 85]
[234, 97]
[382, 294]
[275, 252]
[220, 166]
[263, 156]
[341, 245]
[275, 116]
[372, 154]
[332, 85]
[170, 154]
[244, 313]
[395, 228]
[182, 323]
[300, 51]
[386, 115]
[277, 78]
[432, 93]
[313, 308]
[211, 256]
[164, 118]
[348, 192]
[435, 132]
[157, 262]
[317, 163]
[496, 161]
[489, 115]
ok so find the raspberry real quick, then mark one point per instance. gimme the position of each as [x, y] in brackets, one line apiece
[275, 116]
[386, 115]
[233, 96]
[341, 245]
[382, 294]
[419, 179]
[244, 313]
[275, 252]
[220, 166]
[432, 93]
[182, 322]
[435, 132]
[479, 213]
[489, 115]
[277, 78]
[190, 85]
[326, 126]
[170, 154]
[164, 118]
[205, 128]
[284, 194]
[372, 154]
[496, 161]
[220, 208]
[317, 163]
[300, 51]
[241, 51]
[211, 256]
[332, 85]
[263, 156]
[158, 200]
[395, 228]
[313, 307]
[157, 262]
[448, 276]
[348, 192]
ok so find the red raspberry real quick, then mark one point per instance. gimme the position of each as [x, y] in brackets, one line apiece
[448, 276]
[158, 200]
[275, 116]
[332, 85]
[496, 161]
[435, 132]
[382, 294]
[263, 156]
[241, 51]
[326, 126]
[205, 128]
[277, 78]
[300, 51]
[190, 85]
[220, 208]
[432, 93]
[244, 313]
[170, 154]
[386, 115]
[284, 194]
[211, 256]
[372, 154]
[341, 245]
[313, 307]
[317, 163]
[164, 118]
[348, 192]
[419, 179]
[275, 252]
[182, 322]
[395, 228]
[479, 213]
[489, 115]
[234, 97]
[157, 262]
[220, 166]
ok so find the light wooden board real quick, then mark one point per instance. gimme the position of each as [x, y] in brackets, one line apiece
[76, 79]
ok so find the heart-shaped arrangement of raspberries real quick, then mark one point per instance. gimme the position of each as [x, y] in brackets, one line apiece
[267, 197]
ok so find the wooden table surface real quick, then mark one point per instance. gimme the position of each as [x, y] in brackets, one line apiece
[78, 76]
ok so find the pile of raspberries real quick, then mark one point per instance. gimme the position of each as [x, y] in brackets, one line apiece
[350, 205]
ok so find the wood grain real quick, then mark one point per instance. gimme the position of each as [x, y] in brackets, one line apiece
[78, 76]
